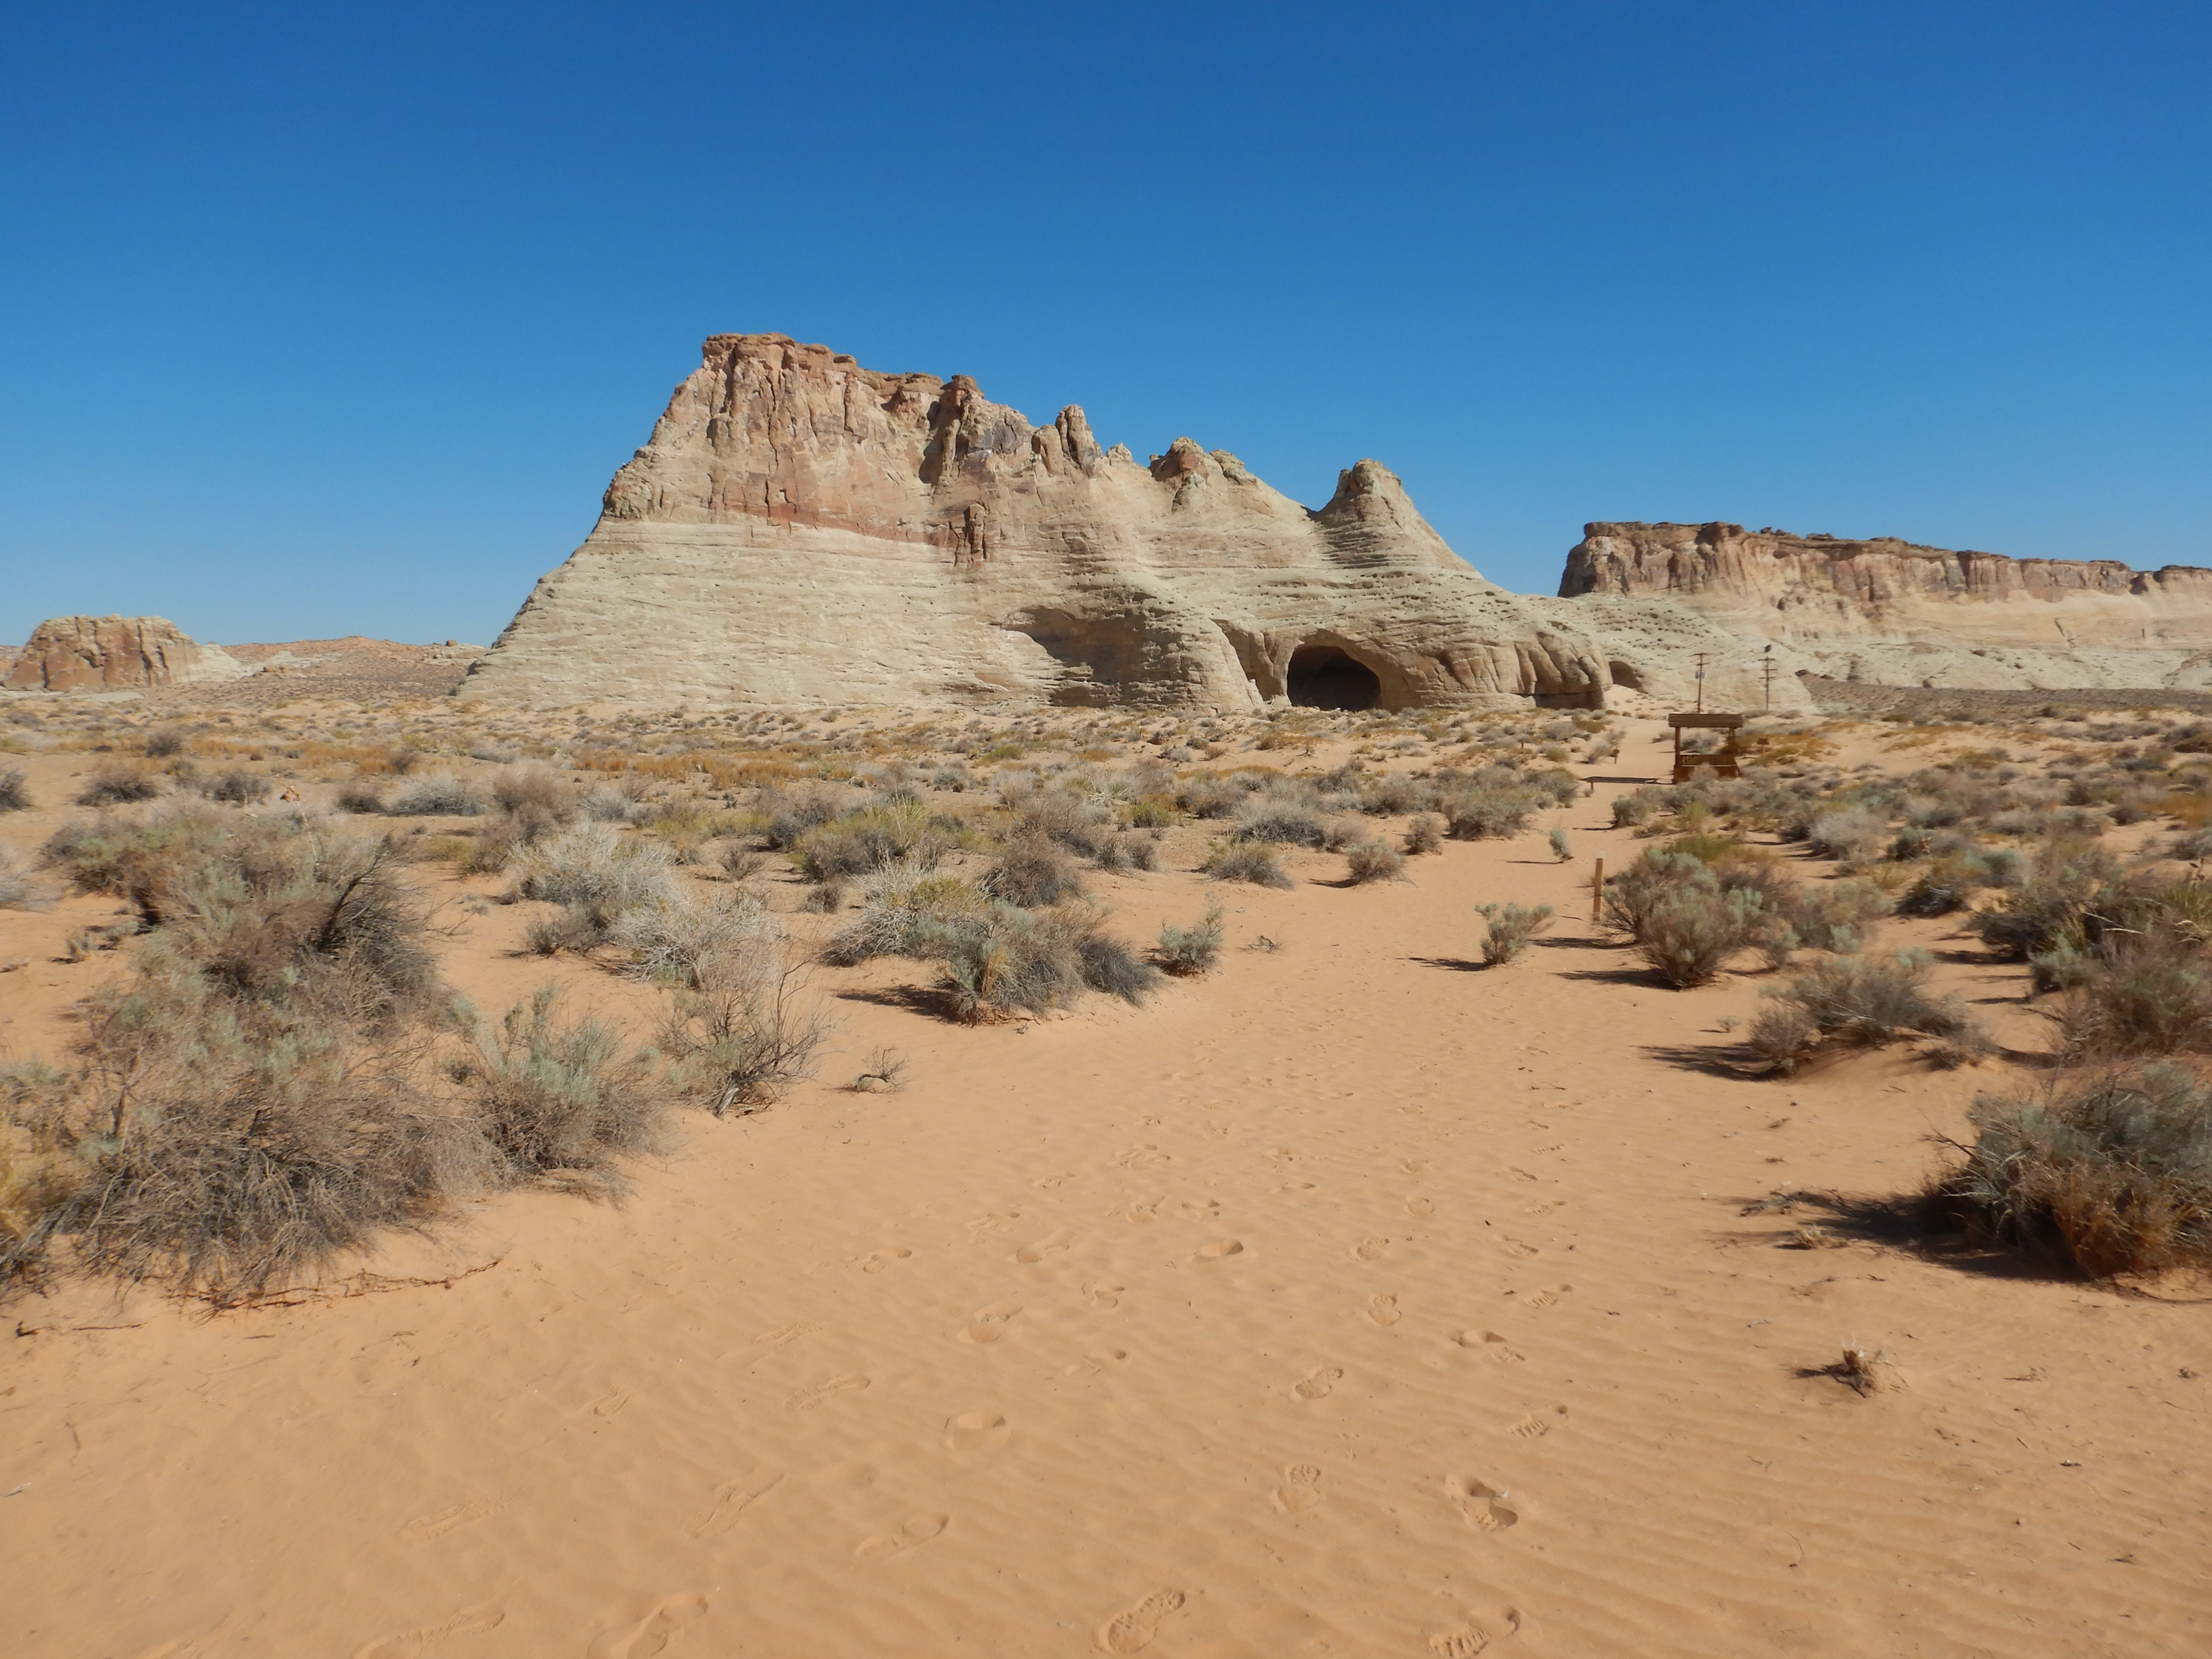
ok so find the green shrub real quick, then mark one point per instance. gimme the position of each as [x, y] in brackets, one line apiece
[1009, 961]
[1032, 873]
[561, 1101]
[1375, 860]
[1689, 933]
[1282, 823]
[1193, 950]
[1424, 834]
[1859, 1001]
[1231, 860]
[1509, 928]
[2110, 1172]
[1561, 849]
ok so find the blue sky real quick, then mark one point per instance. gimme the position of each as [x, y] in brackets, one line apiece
[328, 319]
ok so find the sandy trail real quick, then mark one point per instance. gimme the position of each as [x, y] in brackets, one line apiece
[1351, 1300]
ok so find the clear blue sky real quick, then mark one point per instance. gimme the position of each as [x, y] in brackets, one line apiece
[318, 319]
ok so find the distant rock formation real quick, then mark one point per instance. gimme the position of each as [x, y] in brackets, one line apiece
[1892, 612]
[802, 530]
[115, 653]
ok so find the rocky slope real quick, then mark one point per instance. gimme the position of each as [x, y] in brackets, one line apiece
[113, 654]
[802, 530]
[1894, 613]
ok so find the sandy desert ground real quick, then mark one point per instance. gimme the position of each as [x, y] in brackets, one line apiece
[1350, 1299]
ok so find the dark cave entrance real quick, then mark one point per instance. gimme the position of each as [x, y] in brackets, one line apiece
[1323, 677]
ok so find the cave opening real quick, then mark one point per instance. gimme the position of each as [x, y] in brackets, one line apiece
[1323, 677]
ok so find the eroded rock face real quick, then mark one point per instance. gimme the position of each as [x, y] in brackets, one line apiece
[113, 654]
[803, 530]
[1886, 611]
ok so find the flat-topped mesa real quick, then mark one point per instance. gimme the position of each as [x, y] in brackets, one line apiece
[803, 530]
[1791, 584]
[114, 654]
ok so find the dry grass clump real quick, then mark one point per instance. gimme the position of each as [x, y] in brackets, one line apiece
[238, 787]
[440, 794]
[901, 904]
[1032, 873]
[1245, 861]
[877, 834]
[1194, 950]
[14, 796]
[594, 865]
[2110, 1172]
[682, 938]
[1858, 1001]
[1007, 961]
[1508, 927]
[359, 802]
[560, 1102]
[143, 862]
[1425, 834]
[743, 1040]
[116, 785]
[1280, 823]
[16, 892]
[1374, 860]
[163, 742]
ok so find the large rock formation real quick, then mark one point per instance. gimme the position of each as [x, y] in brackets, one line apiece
[114, 654]
[802, 530]
[1886, 611]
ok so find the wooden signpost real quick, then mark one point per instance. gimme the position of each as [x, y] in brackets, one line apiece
[1724, 764]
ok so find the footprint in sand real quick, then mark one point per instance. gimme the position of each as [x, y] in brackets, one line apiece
[1221, 1251]
[1414, 1166]
[1522, 1174]
[485, 1615]
[1493, 1345]
[807, 1399]
[1318, 1385]
[1458, 1644]
[1372, 1250]
[439, 1523]
[1048, 1182]
[1147, 1157]
[1050, 1245]
[876, 1260]
[1104, 1296]
[1480, 1506]
[1418, 1207]
[1132, 1631]
[1537, 1301]
[654, 1634]
[1203, 1209]
[976, 1431]
[1519, 1251]
[988, 1325]
[732, 1498]
[915, 1534]
[609, 1402]
[1383, 1310]
[1092, 1363]
[1300, 1493]
[1531, 1427]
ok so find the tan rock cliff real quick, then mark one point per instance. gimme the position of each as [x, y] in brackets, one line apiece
[110, 653]
[803, 530]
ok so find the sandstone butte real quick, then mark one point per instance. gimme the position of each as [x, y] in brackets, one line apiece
[802, 530]
[113, 654]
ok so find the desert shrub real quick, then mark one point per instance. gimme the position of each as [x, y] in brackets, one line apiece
[558, 1101]
[2110, 1172]
[1424, 834]
[240, 788]
[594, 865]
[1032, 873]
[359, 802]
[1009, 961]
[1210, 795]
[572, 927]
[1193, 950]
[1830, 915]
[1689, 933]
[684, 939]
[857, 842]
[112, 785]
[1634, 810]
[14, 796]
[2072, 890]
[1852, 834]
[534, 795]
[1561, 849]
[163, 743]
[1128, 851]
[440, 794]
[1231, 860]
[1508, 927]
[16, 892]
[1479, 812]
[788, 817]
[1858, 1000]
[605, 804]
[2135, 992]
[1280, 823]
[1375, 860]
[1150, 813]
[900, 902]
[1946, 886]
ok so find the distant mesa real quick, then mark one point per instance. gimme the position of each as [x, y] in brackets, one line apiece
[116, 653]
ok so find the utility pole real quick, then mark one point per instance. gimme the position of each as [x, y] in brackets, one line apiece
[1769, 660]
[1701, 681]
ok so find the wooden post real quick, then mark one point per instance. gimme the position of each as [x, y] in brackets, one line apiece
[1597, 892]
